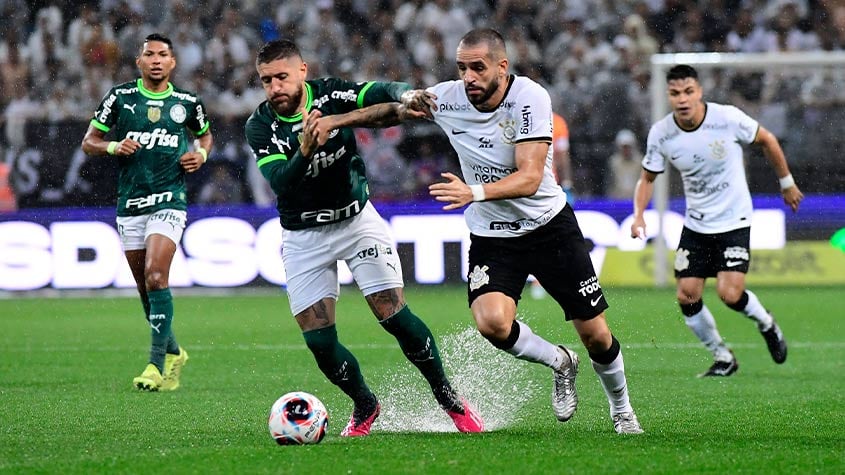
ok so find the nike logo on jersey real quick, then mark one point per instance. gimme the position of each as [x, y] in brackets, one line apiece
[458, 132]
[733, 263]
[131, 108]
[596, 301]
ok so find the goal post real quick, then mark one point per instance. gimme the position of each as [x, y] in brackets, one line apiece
[775, 63]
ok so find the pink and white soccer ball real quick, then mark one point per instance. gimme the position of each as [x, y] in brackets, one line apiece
[298, 418]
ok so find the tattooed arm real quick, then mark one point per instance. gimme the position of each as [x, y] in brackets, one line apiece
[416, 104]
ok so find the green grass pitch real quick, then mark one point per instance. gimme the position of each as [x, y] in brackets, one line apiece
[66, 367]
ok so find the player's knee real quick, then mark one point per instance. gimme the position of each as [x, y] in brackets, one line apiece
[736, 298]
[597, 340]
[686, 297]
[731, 295]
[155, 279]
[500, 335]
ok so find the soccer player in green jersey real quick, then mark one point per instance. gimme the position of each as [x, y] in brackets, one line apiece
[326, 216]
[151, 124]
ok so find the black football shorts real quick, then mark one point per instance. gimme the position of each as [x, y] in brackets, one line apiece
[705, 255]
[556, 254]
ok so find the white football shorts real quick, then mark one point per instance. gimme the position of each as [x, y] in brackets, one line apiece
[310, 257]
[134, 230]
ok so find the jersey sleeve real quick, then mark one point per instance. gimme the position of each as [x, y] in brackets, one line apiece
[198, 120]
[281, 171]
[533, 114]
[746, 127]
[654, 160]
[356, 95]
[106, 114]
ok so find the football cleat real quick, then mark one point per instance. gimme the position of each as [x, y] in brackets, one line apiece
[775, 342]
[722, 368]
[149, 380]
[469, 420]
[360, 426]
[564, 396]
[627, 423]
[173, 365]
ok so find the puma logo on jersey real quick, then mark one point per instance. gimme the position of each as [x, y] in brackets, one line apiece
[131, 108]
[281, 144]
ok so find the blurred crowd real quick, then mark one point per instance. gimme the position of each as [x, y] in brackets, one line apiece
[58, 59]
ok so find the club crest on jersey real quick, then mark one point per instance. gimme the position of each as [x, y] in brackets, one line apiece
[508, 130]
[478, 277]
[717, 148]
[153, 114]
[178, 113]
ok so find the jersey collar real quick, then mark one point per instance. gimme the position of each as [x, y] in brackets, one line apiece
[694, 128]
[309, 101]
[154, 95]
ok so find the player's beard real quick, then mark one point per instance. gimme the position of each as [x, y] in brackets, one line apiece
[288, 107]
[486, 94]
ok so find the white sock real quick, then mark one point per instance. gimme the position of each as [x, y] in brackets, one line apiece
[612, 378]
[531, 347]
[704, 326]
[755, 311]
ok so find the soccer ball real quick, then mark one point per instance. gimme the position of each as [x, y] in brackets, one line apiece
[298, 418]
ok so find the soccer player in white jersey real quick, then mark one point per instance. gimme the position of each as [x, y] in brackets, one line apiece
[520, 223]
[703, 140]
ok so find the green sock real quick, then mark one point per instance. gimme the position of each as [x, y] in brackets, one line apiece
[161, 318]
[172, 346]
[417, 342]
[340, 366]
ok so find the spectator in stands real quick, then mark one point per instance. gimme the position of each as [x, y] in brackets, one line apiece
[221, 187]
[8, 202]
[624, 165]
[14, 74]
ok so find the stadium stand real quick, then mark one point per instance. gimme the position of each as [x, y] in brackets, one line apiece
[58, 58]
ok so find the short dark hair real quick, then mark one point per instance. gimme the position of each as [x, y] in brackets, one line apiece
[492, 38]
[681, 71]
[277, 49]
[161, 38]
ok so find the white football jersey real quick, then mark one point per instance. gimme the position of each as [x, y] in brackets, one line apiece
[710, 160]
[485, 143]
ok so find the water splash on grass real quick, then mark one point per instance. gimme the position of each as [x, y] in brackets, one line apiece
[492, 380]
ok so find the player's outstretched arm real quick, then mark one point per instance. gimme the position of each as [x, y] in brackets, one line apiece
[792, 196]
[94, 143]
[642, 196]
[375, 116]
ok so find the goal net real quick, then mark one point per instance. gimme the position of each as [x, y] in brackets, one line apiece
[797, 96]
